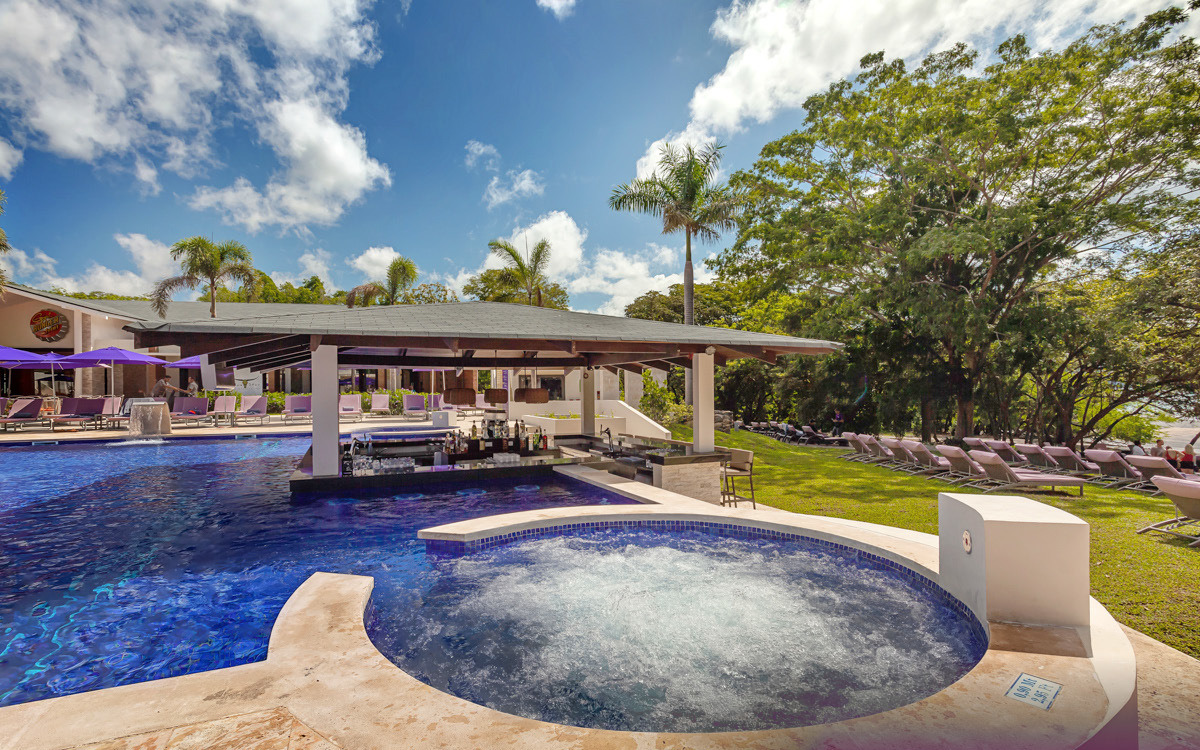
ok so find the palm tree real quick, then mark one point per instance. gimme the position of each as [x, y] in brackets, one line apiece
[204, 264]
[4, 246]
[683, 192]
[401, 274]
[526, 272]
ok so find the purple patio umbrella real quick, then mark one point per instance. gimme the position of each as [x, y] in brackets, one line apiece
[10, 357]
[49, 361]
[109, 356]
[187, 363]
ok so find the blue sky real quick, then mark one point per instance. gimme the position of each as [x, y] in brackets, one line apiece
[328, 135]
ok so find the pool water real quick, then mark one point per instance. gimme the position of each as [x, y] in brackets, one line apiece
[644, 630]
[124, 563]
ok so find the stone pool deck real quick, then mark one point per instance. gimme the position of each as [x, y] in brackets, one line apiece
[324, 685]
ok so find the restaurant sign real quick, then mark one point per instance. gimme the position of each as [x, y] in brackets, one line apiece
[49, 325]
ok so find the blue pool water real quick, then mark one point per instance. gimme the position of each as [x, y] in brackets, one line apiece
[681, 631]
[124, 563]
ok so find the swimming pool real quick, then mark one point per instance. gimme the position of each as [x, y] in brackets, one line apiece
[676, 631]
[128, 562]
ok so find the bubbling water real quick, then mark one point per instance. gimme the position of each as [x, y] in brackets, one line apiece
[643, 631]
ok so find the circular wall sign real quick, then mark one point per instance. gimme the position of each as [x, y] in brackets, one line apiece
[967, 542]
[49, 325]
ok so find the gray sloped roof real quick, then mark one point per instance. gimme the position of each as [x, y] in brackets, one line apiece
[141, 310]
[497, 320]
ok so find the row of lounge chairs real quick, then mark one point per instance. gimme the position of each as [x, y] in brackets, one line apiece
[804, 435]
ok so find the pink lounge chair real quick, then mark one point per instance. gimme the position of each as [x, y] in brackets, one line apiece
[22, 412]
[1038, 457]
[1156, 466]
[879, 454]
[224, 406]
[1005, 477]
[381, 403]
[414, 405]
[902, 460]
[192, 409]
[1184, 494]
[297, 407]
[975, 443]
[1071, 462]
[253, 407]
[112, 415]
[1113, 468]
[1005, 451]
[967, 472]
[936, 466]
[79, 411]
[350, 407]
[861, 453]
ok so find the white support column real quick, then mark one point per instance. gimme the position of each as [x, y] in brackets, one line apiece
[633, 389]
[326, 461]
[703, 425]
[610, 387]
[588, 400]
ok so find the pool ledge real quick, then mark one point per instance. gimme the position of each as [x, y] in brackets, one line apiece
[323, 668]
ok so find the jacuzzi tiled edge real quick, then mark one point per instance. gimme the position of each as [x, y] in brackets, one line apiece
[739, 531]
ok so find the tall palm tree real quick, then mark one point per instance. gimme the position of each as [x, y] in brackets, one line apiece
[4, 246]
[684, 193]
[203, 263]
[526, 272]
[401, 274]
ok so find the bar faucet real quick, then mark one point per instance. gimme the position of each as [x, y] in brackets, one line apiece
[608, 431]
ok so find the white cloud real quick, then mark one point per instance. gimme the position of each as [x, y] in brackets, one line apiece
[314, 262]
[139, 82]
[785, 52]
[566, 240]
[151, 258]
[484, 154]
[692, 135]
[515, 185]
[560, 8]
[10, 159]
[22, 266]
[374, 261]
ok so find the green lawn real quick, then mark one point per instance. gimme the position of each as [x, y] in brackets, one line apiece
[1148, 582]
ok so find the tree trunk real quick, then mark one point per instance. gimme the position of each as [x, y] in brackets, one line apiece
[965, 421]
[927, 426]
[212, 298]
[688, 314]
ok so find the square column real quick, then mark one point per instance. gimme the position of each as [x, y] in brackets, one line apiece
[633, 388]
[704, 440]
[325, 430]
[587, 411]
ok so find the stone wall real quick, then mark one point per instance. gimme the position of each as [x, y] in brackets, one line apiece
[723, 420]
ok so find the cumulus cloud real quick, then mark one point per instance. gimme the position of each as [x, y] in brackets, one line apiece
[151, 259]
[139, 82]
[10, 159]
[374, 261]
[22, 266]
[314, 262]
[785, 52]
[560, 8]
[482, 154]
[513, 186]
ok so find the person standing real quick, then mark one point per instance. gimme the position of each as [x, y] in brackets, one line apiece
[838, 420]
[162, 389]
[192, 388]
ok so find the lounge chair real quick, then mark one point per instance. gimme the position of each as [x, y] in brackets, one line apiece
[1114, 472]
[113, 415]
[902, 460]
[966, 471]
[1071, 462]
[811, 435]
[1005, 477]
[381, 403]
[79, 411]
[22, 412]
[253, 407]
[879, 454]
[414, 405]
[1184, 494]
[936, 466]
[1005, 451]
[297, 407]
[192, 409]
[435, 402]
[975, 443]
[860, 453]
[1039, 458]
[739, 464]
[350, 407]
[224, 406]
[1156, 466]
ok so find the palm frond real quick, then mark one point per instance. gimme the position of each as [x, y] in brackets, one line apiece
[539, 258]
[160, 297]
[401, 274]
[364, 294]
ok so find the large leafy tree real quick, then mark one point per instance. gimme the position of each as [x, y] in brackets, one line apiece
[685, 194]
[401, 275]
[525, 271]
[204, 263]
[942, 201]
[497, 285]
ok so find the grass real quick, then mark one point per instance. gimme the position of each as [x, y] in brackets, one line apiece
[1148, 582]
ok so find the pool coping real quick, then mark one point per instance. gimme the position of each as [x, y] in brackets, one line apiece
[322, 666]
